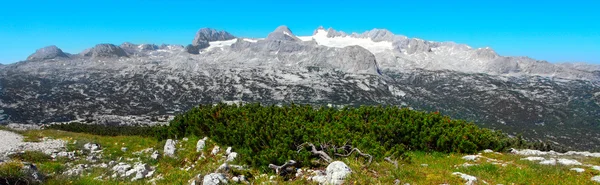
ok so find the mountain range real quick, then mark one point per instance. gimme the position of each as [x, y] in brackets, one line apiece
[147, 83]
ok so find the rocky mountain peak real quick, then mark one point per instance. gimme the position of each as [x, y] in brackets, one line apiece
[283, 33]
[205, 35]
[486, 53]
[378, 35]
[317, 30]
[48, 52]
[105, 50]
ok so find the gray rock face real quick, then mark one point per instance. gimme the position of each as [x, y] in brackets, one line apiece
[355, 59]
[105, 51]
[206, 35]
[378, 35]
[148, 47]
[337, 172]
[48, 52]
[411, 46]
[283, 33]
[191, 49]
[169, 149]
[214, 179]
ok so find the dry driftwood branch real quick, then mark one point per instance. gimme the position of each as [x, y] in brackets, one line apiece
[314, 151]
[359, 153]
[388, 159]
[280, 169]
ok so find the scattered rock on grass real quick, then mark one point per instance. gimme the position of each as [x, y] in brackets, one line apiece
[578, 170]
[215, 150]
[470, 179]
[550, 161]
[533, 158]
[200, 145]
[92, 147]
[169, 149]
[214, 179]
[337, 172]
[232, 156]
[568, 162]
[596, 178]
[471, 157]
[155, 155]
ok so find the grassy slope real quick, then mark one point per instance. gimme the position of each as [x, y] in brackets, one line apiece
[439, 167]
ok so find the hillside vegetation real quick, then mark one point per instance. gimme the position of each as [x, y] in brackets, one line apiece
[274, 134]
[406, 146]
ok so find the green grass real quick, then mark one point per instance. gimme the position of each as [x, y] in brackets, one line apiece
[439, 169]
[32, 156]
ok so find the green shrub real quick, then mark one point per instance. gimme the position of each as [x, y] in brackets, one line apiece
[12, 173]
[271, 134]
[32, 156]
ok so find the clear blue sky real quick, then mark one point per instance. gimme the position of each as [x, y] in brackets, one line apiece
[545, 30]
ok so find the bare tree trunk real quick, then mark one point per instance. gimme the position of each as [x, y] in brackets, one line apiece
[279, 169]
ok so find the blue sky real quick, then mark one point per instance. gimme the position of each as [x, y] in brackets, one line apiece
[546, 30]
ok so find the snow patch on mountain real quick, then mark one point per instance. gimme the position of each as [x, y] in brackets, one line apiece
[220, 44]
[322, 39]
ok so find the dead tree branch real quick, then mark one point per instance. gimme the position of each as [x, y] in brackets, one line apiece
[314, 151]
[357, 151]
[388, 159]
[280, 169]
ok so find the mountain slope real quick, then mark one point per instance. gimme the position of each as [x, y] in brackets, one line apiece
[144, 83]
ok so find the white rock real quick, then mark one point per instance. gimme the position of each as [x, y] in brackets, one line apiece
[140, 170]
[596, 178]
[568, 162]
[223, 168]
[185, 139]
[235, 179]
[215, 150]
[124, 149]
[471, 157]
[92, 147]
[169, 149]
[550, 161]
[196, 180]
[69, 155]
[232, 156]
[155, 155]
[299, 172]
[214, 179]
[337, 172]
[488, 151]
[424, 165]
[597, 168]
[321, 179]
[121, 168]
[578, 170]
[228, 151]
[533, 158]
[76, 171]
[200, 145]
[470, 179]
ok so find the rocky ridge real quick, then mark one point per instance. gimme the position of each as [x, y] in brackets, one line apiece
[147, 84]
